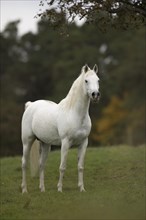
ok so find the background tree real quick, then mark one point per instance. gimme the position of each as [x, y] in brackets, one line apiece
[111, 13]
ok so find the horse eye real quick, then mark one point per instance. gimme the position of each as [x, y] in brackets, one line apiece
[86, 81]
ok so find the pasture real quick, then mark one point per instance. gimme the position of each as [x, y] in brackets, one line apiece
[114, 180]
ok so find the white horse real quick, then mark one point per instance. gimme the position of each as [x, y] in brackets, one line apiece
[66, 124]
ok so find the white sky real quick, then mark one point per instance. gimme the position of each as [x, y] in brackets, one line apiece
[25, 10]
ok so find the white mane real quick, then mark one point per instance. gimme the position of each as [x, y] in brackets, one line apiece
[75, 90]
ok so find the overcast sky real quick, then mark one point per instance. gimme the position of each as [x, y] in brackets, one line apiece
[25, 10]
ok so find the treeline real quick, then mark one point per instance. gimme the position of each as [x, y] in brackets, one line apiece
[44, 66]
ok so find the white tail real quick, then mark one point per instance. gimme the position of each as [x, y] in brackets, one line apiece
[34, 158]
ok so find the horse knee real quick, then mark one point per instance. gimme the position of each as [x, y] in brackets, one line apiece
[80, 168]
[62, 169]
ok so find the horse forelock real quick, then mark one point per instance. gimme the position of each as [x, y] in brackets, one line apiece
[91, 73]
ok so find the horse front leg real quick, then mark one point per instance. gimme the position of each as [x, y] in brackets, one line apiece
[81, 156]
[64, 152]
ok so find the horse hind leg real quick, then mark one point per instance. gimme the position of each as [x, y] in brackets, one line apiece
[26, 151]
[44, 154]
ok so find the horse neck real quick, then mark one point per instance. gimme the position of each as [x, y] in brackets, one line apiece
[76, 99]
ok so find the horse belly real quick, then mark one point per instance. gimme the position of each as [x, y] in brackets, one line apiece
[44, 127]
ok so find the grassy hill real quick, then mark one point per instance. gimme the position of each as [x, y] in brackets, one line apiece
[114, 180]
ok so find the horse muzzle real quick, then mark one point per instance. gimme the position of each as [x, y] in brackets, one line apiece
[95, 97]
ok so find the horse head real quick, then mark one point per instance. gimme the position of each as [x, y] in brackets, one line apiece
[91, 82]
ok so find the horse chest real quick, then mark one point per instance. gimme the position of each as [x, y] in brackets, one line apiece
[80, 132]
[79, 135]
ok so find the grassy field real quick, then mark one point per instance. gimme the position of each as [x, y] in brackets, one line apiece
[114, 180]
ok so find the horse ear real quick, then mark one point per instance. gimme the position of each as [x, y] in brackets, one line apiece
[95, 68]
[85, 68]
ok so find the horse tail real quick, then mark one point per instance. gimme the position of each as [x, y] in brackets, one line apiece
[34, 158]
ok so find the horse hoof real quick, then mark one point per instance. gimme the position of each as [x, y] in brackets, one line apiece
[60, 190]
[42, 190]
[24, 191]
[82, 189]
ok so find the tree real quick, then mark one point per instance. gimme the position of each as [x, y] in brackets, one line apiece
[111, 13]
[122, 120]
[110, 129]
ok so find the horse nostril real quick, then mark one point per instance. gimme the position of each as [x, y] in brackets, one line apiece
[93, 94]
[98, 94]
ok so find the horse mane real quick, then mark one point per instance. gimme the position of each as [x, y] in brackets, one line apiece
[74, 91]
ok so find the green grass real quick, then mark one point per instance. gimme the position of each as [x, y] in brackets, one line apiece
[114, 179]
